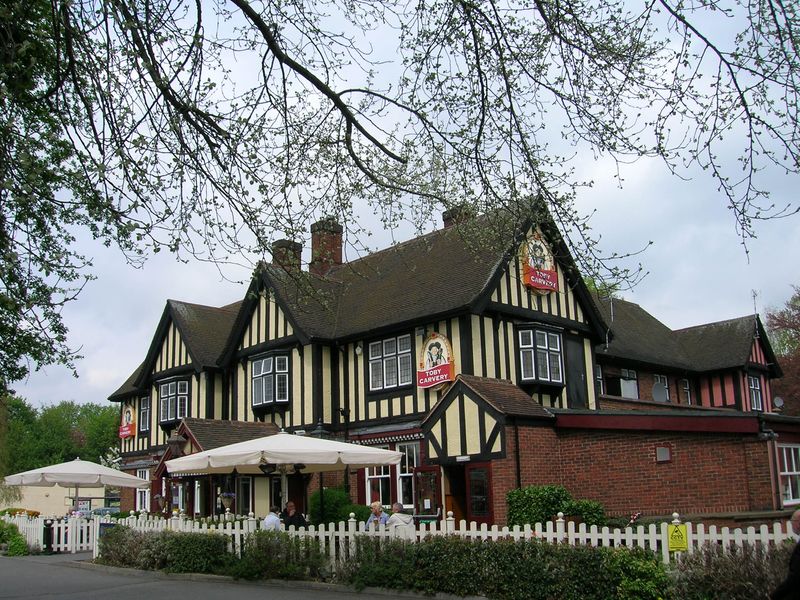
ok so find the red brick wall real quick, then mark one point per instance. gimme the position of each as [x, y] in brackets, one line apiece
[707, 472]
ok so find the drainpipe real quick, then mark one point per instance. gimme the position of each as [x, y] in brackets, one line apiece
[516, 453]
[769, 436]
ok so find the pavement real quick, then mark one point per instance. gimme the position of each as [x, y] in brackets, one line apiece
[75, 577]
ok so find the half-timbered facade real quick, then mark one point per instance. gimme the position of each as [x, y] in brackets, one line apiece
[459, 353]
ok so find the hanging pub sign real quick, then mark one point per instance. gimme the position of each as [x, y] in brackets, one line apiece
[127, 426]
[436, 362]
[538, 266]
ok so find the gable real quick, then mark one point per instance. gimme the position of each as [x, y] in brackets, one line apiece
[267, 322]
[464, 428]
[173, 352]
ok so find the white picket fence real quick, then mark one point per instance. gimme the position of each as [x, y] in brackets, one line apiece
[338, 540]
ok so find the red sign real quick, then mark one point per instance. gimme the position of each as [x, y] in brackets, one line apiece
[126, 430]
[435, 375]
[127, 426]
[541, 279]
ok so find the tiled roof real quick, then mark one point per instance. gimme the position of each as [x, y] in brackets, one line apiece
[638, 335]
[212, 433]
[641, 337]
[721, 345]
[435, 273]
[205, 329]
[505, 397]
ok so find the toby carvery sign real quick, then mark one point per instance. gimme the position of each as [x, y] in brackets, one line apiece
[127, 427]
[436, 362]
[538, 266]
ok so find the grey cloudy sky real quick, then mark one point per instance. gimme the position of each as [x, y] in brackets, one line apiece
[698, 273]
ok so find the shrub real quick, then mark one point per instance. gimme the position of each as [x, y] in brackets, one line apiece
[359, 510]
[336, 506]
[13, 511]
[536, 503]
[736, 574]
[193, 552]
[121, 546]
[17, 546]
[7, 530]
[591, 512]
[638, 574]
[277, 555]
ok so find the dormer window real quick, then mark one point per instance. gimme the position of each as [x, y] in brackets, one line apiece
[173, 400]
[270, 380]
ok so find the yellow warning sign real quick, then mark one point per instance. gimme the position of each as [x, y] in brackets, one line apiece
[678, 542]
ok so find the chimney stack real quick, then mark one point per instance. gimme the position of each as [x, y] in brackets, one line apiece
[326, 246]
[458, 214]
[286, 254]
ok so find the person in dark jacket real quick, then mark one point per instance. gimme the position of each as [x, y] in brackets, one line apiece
[790, 588]
[291, 516]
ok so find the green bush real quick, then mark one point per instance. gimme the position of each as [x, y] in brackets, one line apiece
[336, 506]
[536, 503]
[121, 546]
[638, 574]
[745, 573]
[591, 512]
[7, 530]
[194, 552]
[17, 546]
[277, 555]
[359, 510]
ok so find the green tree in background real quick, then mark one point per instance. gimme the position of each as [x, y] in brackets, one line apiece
[53, 434]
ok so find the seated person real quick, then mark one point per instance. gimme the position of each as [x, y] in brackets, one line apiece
[291, 516]
[378, 516]
[272, 522]
[399, 517]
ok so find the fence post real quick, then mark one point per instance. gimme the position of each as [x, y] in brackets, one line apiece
[450, 522]
[560, 527]
[48, 536]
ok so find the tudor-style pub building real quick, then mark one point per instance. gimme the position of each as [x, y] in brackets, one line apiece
[488, 366]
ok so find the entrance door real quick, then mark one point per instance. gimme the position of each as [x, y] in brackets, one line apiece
[479, 493]
[427, 486]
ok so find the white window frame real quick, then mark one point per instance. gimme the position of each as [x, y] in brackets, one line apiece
[390, 359]
[626, 376]
[663, 380]
[244, 495]
[789, 473]
[143, 495]
[687, 390]
[144, 415]
[198, 497]
[270, 380]
[600, 386]
[756, 397]
[405, 470]
[173, 400]
[383, 475]
[541, 355]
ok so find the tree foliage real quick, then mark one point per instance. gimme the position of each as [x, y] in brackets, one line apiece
[207, 128]
[37, 438]
[784, 332]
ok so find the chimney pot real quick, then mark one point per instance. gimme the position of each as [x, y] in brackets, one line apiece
[455, 215]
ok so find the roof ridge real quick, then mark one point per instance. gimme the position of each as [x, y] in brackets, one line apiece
[723, 322]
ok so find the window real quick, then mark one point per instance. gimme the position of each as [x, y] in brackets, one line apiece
[755, 392]
[405, 473]
[143, 495]
[270, 379]
[378, 484]
[144, 415]
[687, 390]
[390, 363]
[599, 388]
[540, 355]
[789, 457]
[628, 384]
[174, 398]
[662, 379]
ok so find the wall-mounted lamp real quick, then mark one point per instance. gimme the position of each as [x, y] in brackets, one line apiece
[267, 469]
[359, 348]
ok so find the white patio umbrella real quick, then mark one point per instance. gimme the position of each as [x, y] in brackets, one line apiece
[283, 451]
[76, 473]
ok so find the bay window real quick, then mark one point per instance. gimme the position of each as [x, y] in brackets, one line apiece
[390, 363]
[540, 356]
[270, 380]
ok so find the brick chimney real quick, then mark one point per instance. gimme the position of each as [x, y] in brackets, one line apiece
[326, 246]
[286, 254]
[458, 214]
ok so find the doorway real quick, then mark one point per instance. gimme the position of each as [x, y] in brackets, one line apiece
[468, 492]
